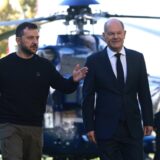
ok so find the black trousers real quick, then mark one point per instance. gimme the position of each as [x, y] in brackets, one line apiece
[121, 146]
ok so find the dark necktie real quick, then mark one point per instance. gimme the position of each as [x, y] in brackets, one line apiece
[120, 73]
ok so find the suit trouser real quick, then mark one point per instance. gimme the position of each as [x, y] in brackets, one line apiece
[121, 146]
[19, 142]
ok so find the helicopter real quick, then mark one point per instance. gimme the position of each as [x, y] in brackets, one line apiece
[64, 135]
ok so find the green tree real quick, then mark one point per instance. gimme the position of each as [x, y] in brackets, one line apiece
[14, 10]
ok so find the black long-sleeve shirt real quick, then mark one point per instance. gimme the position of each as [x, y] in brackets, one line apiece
[24, 86]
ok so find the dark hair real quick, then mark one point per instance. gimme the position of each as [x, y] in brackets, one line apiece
[22, 26]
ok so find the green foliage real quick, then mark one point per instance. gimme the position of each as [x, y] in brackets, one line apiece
[14, 10]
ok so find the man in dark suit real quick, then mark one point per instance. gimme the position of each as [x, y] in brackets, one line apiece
[117, 107]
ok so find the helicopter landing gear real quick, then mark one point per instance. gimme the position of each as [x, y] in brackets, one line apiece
[65, 158]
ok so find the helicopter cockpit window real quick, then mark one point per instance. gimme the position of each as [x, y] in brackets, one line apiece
[76, 40]
[51, 53]
[81, 43]
[46, 53]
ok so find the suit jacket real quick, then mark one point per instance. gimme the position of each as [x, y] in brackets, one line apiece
[157, 123]
[103, 100]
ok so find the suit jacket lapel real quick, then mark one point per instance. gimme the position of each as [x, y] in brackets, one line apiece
[108, 70]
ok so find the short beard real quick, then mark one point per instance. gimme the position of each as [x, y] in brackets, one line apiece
[26, 51]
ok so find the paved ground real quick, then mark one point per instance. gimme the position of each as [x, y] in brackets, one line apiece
[50, 158]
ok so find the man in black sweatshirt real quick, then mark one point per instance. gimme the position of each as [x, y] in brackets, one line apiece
[25, 79]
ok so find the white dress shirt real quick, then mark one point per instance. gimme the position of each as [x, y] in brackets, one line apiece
[112, 58]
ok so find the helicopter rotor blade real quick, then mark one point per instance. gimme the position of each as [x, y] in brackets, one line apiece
[79, 11]
[7, 34]
[107, 15]
[40, 19]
